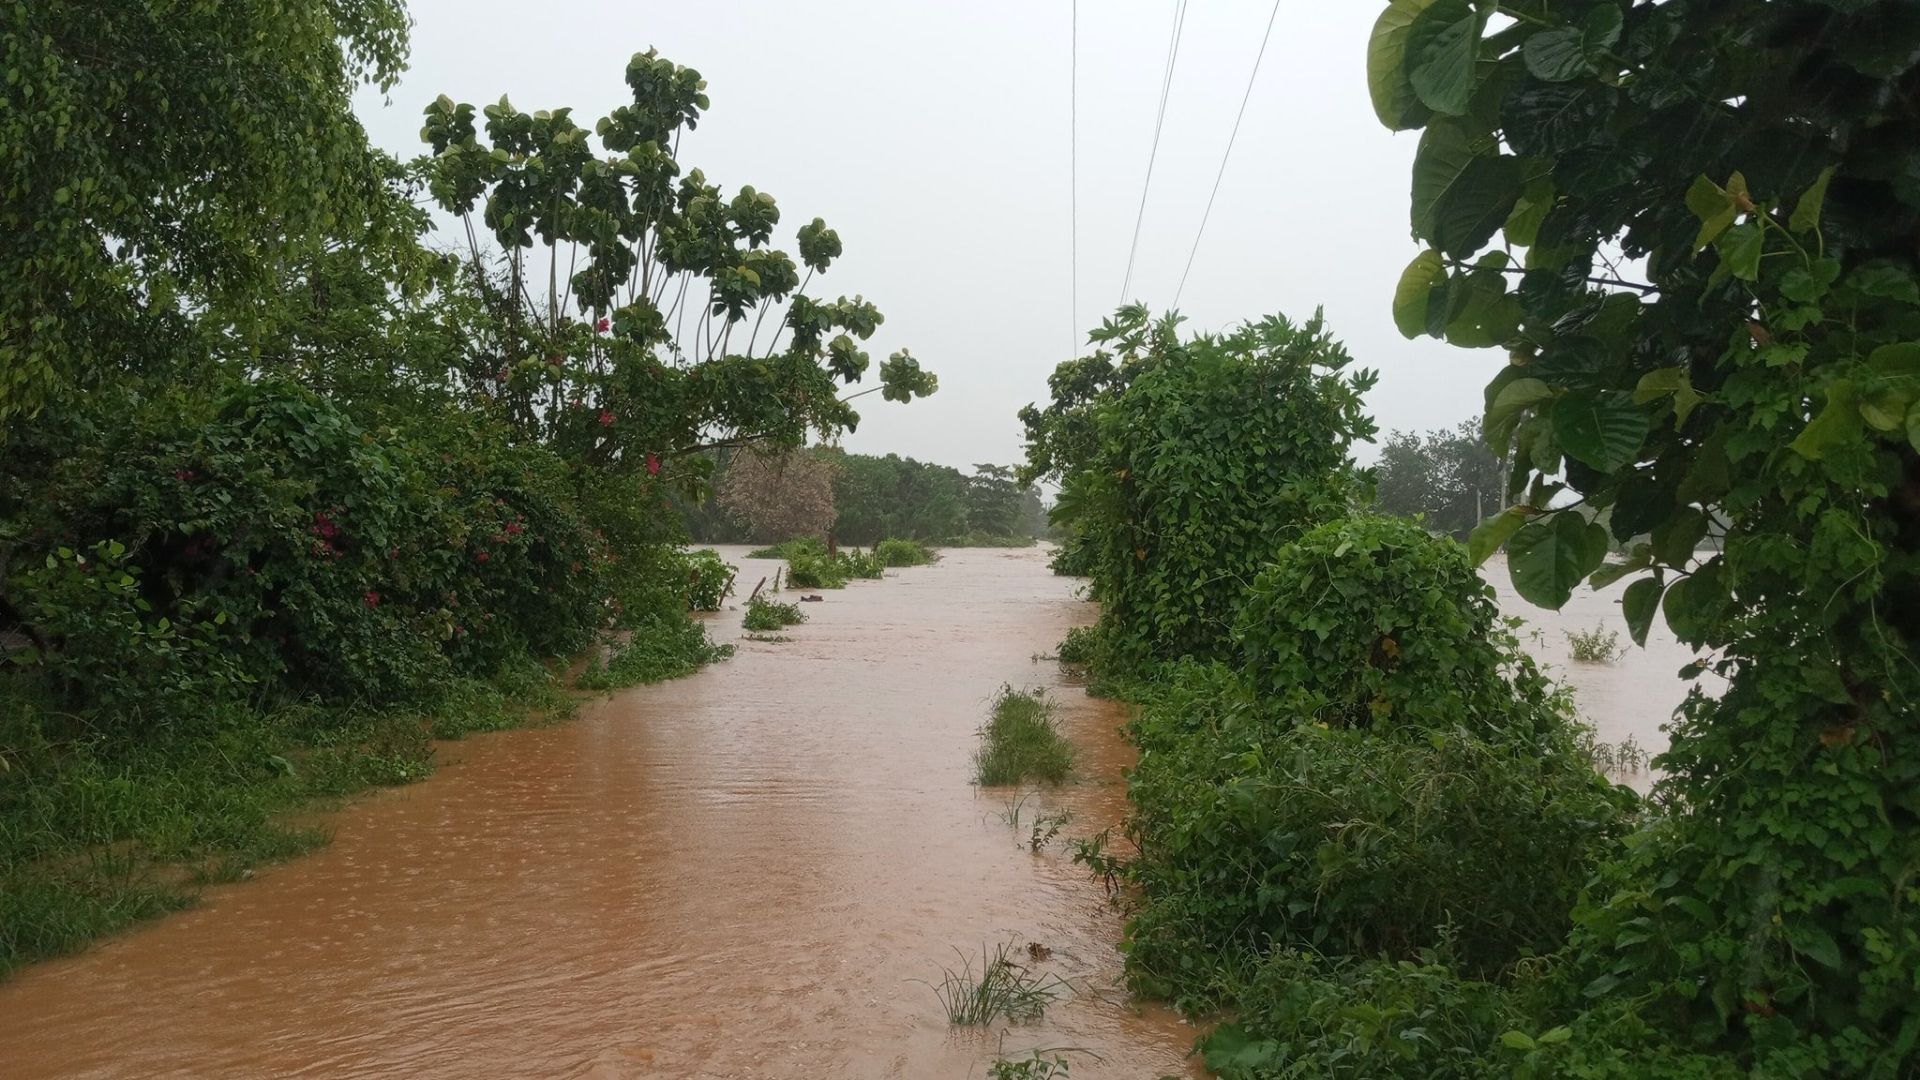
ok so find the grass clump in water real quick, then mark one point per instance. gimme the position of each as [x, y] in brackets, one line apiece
[1001, 988]
[1596, 646]
[768, 615]
[1023, 742]
[904, 553]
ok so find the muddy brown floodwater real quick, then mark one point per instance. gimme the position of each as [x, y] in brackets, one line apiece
[747, 873]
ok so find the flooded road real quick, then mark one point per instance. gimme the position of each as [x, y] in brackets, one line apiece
[1630, 699]
[741, 874]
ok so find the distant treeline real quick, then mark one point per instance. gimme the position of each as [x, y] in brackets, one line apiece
[892, 496]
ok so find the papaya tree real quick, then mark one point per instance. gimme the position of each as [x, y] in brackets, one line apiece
[638, 312]
[1692, 227]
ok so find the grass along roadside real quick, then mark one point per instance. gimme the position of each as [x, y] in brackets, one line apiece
[98, 833]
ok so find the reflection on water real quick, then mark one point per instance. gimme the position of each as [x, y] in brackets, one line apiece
[742, 874]
[1631, 698]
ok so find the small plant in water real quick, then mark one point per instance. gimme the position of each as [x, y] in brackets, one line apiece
[1039, 1065]
[1045, 828]
[1001, 988]
[1596, 646]
[1022, 741]
[766, 615]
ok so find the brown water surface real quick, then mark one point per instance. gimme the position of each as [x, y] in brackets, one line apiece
[740, 874]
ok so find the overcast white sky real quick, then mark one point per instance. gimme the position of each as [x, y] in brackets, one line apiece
[934, 138]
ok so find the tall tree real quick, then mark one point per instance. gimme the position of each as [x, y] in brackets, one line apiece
[157, 158]
[1448, 477]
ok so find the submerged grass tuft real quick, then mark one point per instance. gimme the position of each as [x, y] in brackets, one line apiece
[1022, 742]
[766, 615]
[1001, 988]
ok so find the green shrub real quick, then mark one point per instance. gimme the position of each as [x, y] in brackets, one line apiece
[1300, 1016]
[1080, 646]
[809, 571]
[709, 579]
[273, 541]
[1022, 742]
[1258, 831]
[787, 549]
[1220, 450]
[898, 553]
[764, 615]
[1374, 622]
[862, 564]
[663, 648]
[1596, 646]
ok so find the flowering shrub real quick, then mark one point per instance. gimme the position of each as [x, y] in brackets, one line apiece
[325, 560]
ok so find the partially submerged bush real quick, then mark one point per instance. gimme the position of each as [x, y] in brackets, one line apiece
[1373, 622]
[666, 647]
[1259, 831]
[898, 553]
[1022, 742]
[806, 570]
[764, 615]
[1596, 646]
[1080, 646]
[709, 579]
[862, 564]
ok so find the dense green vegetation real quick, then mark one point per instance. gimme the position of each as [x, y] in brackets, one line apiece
[765, 615]
[1345, 864]
[284, 494]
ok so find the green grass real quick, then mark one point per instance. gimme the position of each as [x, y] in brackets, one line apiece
[101, 830]
[897, 553]
[98, 832]
[766, 615]
[1000, 989]
[1022, 742]
[657, 650]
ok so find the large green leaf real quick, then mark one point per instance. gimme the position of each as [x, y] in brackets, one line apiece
[1839, 423]
[1676, 538]
[1415, 291]
[1504, 413]
[1442, 46]
[1488, 316]
[1546, 559]
[1394, 101]
[1536, 198]
[1463, 191]
[1642, 599]
[1604, 429]
[1569, 52]
[1486, 537]
[1713, 206]
[1806, 212]
[1740, 248]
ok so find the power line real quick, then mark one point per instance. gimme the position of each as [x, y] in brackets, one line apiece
[1166, 85]
[1241, 115]
[1073, 182]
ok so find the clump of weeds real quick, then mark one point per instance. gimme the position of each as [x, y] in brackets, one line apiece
[1001, 988]
[1022, 742]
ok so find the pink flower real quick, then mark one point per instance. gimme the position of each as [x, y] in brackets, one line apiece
[183, 475]
[372, 598]
[605, 324]
[606, 418]
[653, 464]
[481, 556]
